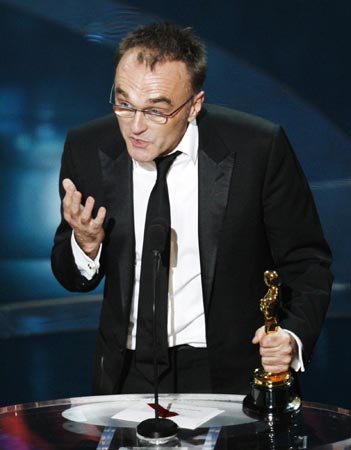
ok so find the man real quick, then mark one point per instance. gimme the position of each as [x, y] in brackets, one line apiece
[240, 205]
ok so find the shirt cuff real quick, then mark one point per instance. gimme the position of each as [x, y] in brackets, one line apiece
[297, 362]
[87, 267]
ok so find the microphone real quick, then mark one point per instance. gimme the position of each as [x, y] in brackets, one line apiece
[157, 431]
[157, 234]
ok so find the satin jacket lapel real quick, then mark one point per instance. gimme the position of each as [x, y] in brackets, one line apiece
[214, 182]
[118, 188]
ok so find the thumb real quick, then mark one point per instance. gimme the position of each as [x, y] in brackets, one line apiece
[258, 335]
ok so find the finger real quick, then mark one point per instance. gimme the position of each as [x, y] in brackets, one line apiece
[272, 339]
[276, 363]
[68, 185]
[100, 217]
[97, 223]
[279, 358]
[75, 206]
[275, 368]
[86, 215]
[282, 343]
[67, 199]
[280, 351]
[268, 342]
[66, 206]
[70, 189]
[276, 353]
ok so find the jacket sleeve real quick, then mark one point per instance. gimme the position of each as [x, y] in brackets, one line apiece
[300, 253]
[62, 259]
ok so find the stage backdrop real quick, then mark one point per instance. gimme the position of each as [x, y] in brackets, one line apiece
[287, 61]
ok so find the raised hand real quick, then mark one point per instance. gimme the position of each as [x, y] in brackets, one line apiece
[88, 231]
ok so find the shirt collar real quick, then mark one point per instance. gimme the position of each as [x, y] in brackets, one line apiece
[190, 141]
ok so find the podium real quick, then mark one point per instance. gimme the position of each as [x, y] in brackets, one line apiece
[87, 422]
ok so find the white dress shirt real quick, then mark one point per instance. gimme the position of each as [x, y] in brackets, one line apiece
[186, 320]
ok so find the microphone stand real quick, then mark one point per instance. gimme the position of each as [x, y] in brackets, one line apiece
[156, 431]
[157, 259]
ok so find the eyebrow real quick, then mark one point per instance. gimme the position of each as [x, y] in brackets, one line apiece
[160, 99]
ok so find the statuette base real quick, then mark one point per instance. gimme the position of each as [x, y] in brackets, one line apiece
[271, 399]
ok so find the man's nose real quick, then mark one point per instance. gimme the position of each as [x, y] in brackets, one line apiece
[139, 122]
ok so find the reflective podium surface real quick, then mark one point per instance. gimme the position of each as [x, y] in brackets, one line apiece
[88, 423]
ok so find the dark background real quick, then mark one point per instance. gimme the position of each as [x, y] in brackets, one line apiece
[287, 61]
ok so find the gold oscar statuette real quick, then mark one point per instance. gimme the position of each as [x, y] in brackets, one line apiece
[272, 394]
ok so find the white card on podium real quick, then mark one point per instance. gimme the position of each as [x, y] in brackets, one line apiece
[184, 415]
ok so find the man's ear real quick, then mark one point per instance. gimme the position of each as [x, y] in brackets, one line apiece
[196, 106]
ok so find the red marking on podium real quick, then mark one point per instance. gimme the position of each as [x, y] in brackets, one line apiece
[163, 412]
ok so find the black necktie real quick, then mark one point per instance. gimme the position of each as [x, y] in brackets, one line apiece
[156, 234]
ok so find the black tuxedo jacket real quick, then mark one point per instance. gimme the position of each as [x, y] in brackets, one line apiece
[256, 213]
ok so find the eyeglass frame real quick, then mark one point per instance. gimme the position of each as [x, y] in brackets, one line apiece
[146, 112]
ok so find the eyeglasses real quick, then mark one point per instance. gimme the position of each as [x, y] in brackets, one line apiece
[128, 112]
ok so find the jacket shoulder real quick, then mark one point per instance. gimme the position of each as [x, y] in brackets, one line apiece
[95, 125]
[223, 130]
[103, 131]
[224, 118]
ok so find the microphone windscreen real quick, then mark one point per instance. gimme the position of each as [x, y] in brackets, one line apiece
[157, 234]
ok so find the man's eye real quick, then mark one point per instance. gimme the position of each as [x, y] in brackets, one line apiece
[124, 104]
[155, 111]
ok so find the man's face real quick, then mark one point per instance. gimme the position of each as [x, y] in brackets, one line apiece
[164, 88]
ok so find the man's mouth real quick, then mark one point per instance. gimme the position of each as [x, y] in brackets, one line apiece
[139, 143]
